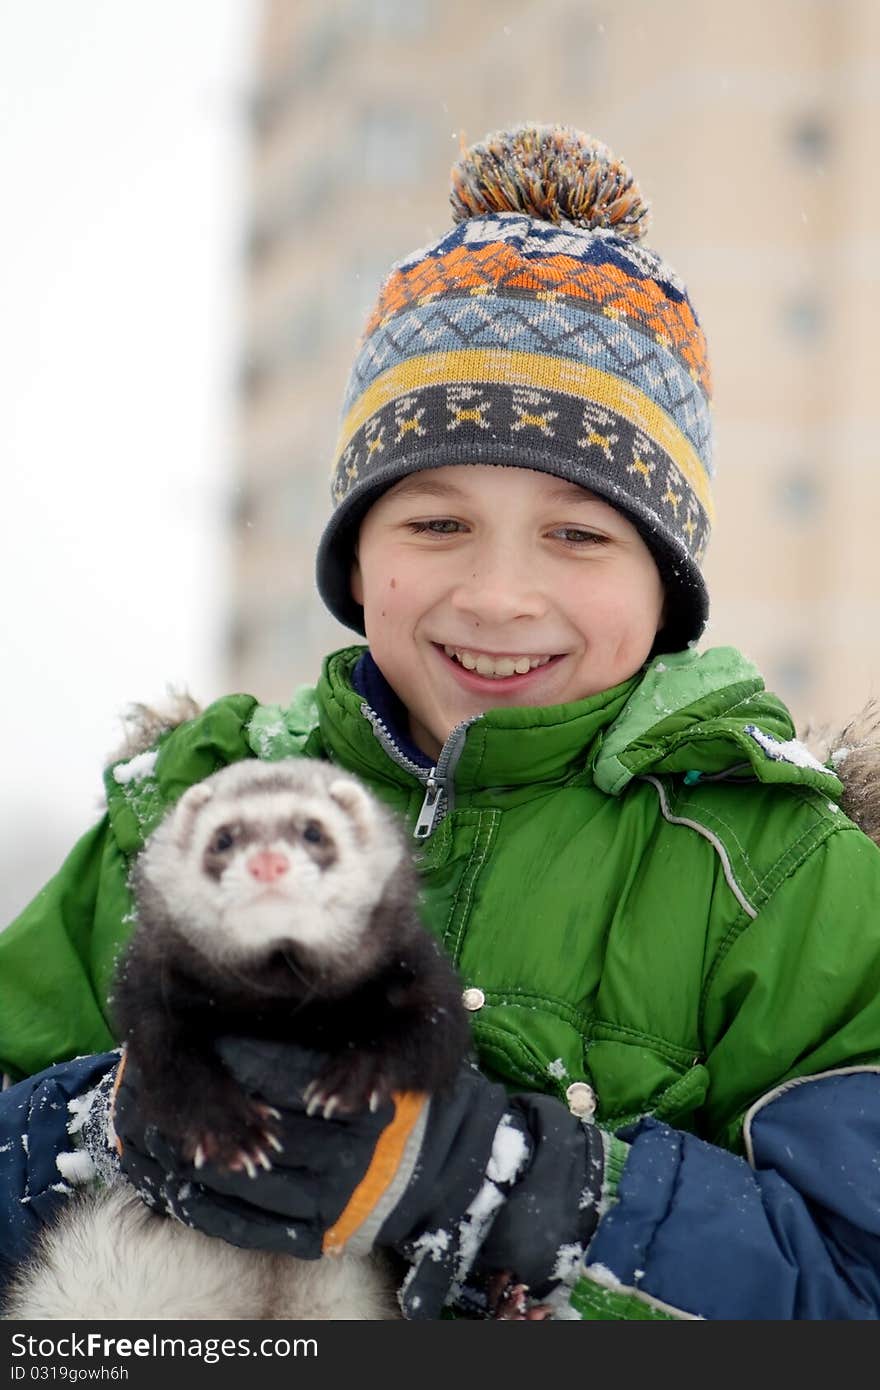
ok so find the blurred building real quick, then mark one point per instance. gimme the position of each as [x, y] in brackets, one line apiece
[751, 127]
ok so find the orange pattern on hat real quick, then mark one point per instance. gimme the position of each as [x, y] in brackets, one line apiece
[498, 266]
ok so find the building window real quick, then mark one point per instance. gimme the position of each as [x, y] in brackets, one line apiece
[265, 107]
[241, 507]
[403, 17]
[253, 375]
[810, 139]
[297, 335]
[799, 494]
[305, 67]
[303, 332]
[390, 142]
[279, 218]
[260, 239]
[804, 317]
[237, 641]
[793, 673]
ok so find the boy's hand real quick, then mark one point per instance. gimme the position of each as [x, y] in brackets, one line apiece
[462, 1184]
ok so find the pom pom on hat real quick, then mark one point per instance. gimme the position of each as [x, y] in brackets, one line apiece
[553, 172]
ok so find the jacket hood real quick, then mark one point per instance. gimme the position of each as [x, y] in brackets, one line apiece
[706, 715]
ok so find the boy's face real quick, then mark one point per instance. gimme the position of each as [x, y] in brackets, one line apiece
[471, 574]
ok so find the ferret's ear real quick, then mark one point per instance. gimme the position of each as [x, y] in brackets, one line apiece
[187, 808]
[356, 803]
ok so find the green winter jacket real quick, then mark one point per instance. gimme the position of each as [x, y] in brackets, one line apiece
[651, 892]
[653, 889]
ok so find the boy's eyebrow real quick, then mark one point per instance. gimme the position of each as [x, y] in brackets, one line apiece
[424, 484]
[571, 492]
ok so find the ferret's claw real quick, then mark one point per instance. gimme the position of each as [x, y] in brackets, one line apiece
[314, 1101]
[318, 1100]
[243, 1160]
[199, 1157]
[375, 1099]
[271, 1112]
[263, 1159]
[273, 1141]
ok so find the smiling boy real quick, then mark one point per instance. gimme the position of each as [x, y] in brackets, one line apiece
[464, 583]
[667, 931]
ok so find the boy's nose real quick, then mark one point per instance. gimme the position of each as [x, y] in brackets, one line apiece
[500, 590]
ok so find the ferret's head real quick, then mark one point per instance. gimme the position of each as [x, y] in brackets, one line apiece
[290, 856]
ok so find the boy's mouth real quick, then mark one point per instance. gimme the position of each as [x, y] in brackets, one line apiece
[504, 667]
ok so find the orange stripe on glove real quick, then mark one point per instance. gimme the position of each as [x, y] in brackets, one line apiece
[408, 1106]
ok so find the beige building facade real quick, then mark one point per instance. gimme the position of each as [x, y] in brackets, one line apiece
[751, 129]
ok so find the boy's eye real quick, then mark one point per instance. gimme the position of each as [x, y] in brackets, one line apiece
[436, 526]
[575, 535]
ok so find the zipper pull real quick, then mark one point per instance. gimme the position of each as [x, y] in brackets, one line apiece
[430, 807]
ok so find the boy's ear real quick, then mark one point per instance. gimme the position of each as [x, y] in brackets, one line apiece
[356, 582]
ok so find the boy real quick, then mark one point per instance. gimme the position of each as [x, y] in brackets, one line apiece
[666, 929]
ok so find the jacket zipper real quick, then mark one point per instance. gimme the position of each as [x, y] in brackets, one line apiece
[438, 782]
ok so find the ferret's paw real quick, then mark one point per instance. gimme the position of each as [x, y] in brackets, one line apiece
[509, 1302]
[249, 1160]
[238, 1142]
[347, 1085]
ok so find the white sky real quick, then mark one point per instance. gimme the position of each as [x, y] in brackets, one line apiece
[122, 126]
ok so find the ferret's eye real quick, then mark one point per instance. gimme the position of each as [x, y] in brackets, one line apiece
[313, 833]
[223, 839]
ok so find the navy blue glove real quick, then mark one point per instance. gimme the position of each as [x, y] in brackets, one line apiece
[46, 1124]
[462, 1184]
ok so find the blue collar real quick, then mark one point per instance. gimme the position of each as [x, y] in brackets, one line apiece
[368, 681]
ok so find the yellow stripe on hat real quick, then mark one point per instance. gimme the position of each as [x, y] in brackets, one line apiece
[538, 372]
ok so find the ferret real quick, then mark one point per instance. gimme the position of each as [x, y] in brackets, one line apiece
[276, 900]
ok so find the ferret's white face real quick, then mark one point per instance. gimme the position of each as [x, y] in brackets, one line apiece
[263, 856]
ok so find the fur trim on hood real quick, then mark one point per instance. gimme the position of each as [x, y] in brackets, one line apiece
[143, 724]
[854, 753]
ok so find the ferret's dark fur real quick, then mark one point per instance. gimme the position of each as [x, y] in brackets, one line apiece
[276, 900]
[339, 961]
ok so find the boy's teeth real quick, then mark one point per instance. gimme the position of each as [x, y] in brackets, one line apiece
[499, 666]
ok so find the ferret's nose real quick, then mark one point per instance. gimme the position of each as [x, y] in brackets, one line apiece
[267, 865]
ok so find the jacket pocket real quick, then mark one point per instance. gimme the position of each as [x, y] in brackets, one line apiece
[646, 1076]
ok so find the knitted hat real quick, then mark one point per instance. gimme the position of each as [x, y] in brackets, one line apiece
[537, 333]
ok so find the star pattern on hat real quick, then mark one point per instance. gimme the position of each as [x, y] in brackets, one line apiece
[467, 406]
[534, 418]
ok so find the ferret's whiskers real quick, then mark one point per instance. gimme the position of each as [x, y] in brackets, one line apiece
[295, 970]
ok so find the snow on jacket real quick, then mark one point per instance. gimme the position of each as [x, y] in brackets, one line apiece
[656, 894]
